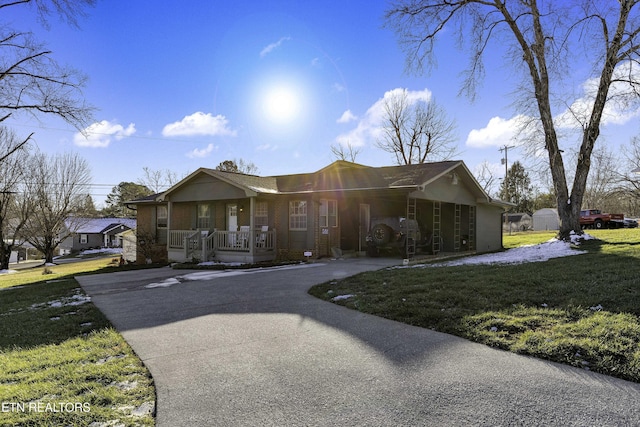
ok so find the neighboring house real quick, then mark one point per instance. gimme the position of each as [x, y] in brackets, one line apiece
[517, 222]
[229, 216]
[89, 233]
[546, 219]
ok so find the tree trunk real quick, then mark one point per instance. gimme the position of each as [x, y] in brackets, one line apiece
[48, 256]
[5, 255]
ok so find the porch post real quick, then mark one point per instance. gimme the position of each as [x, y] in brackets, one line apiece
[169, 209]
[252, 226]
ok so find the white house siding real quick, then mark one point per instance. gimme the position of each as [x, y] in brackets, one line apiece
[489, 228]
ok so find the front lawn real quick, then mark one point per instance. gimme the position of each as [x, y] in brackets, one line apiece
[61, 362]
[580, 310]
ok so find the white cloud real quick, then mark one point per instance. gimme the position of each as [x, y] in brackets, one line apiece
[369, 127]
[271, 47]
[100, 134]
[347, 117]
[619, 108]
[498, 132]
[199, 123]
[199, 153]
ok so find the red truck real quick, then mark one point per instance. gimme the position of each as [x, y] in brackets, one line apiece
[594, 218]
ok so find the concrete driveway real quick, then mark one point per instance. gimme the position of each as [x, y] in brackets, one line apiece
[252, 348]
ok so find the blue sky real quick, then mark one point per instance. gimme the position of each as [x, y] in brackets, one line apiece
[182, 85]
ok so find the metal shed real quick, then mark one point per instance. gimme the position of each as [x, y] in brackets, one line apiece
[546, 219]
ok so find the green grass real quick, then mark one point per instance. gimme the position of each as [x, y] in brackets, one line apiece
[526, 238]
[580, 310]
[65, 356]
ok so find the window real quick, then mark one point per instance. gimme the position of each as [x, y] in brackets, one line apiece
[261, 217]
[84, 239]
[204, 217]
[298, 215]
[328, 213]
[161, 217]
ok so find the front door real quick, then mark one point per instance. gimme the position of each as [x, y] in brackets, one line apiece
[232, 217]
[232, 222]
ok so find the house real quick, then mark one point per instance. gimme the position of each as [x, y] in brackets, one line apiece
[228, 216]
[546, 219]
[94, 233]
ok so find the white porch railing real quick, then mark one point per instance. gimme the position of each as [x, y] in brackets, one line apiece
[192, 245]
[200, 245]
[176, 238]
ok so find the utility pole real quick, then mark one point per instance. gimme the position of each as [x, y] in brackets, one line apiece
[505, 160]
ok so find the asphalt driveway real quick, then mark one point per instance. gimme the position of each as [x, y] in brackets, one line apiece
[253, 348]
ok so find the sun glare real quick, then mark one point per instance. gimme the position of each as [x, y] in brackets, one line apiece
[281, 104]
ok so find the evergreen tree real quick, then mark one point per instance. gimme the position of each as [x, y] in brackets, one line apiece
[122, 193]
[516, 188]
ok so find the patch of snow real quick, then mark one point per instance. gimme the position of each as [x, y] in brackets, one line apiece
[342, 297]
[215, 274]
[110, 358]
[147, 408]
[553, 248]
[227, 264]
[164, 284]
[8, 271]
[124, 385]
[77, 299]
[112, 251]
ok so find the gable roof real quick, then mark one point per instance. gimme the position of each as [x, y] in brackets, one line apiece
[340, 176]
[97, 225]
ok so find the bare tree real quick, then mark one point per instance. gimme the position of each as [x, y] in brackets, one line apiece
[603, 180]
[486, 177]
[158, 180]
[59, 187]
[630, 185]
[239, 166]
[15, 203]
[30, 79]
[348, 153]
[415, 131]
[545, 40]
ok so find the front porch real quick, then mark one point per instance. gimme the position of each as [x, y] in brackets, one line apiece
[242, 246]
